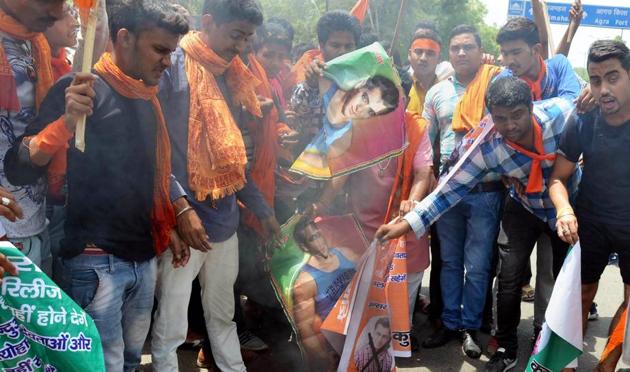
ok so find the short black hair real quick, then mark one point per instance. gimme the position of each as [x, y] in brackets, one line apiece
[338, 21]
[225, 11]
[299, 231]
[140, 15]
[383, 322]
[426, 33]
[271, 33]
[288, 27]
[465, 29]
[389, 91]
[508, 91]
[426, 25]
[519, 28]
[602, 50]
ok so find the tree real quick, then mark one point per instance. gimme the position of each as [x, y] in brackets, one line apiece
[303, 14]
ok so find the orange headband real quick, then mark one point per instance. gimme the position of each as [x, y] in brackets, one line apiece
[426, 44]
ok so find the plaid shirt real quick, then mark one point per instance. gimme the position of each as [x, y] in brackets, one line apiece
[486, 156]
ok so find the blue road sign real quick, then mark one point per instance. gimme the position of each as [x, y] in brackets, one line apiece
[594, 15]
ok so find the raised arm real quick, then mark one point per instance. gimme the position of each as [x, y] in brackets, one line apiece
[539, 19]
[575, 18]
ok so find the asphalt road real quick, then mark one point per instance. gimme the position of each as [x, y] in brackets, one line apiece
[450, 357]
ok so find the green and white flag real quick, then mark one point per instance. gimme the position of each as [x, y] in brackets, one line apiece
[560, 341]
[41, 328]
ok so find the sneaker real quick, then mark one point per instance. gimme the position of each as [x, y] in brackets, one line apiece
[500, 362]
[250, 341]
[470, 344]
[440, 338]
[592, 312]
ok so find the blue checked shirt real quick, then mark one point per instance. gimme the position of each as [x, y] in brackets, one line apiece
[486, 156]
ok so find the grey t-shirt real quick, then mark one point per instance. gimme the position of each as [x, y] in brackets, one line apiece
[12, 125]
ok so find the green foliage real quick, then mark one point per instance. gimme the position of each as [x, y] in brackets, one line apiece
[581, 72]
[303, 14]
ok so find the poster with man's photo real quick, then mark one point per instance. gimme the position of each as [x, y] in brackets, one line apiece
[309, 274]
[327, 279]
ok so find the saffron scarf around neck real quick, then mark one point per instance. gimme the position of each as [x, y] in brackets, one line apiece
[264, 135]
[471, 107]
[535, 180]
[216, 151]
[163, 215]
[536, 85]
[41, 55]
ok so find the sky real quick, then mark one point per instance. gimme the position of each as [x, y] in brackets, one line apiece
[497, 15]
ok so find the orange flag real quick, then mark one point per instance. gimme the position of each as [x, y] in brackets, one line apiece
[360, 9]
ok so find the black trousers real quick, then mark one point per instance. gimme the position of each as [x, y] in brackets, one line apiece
[520, 231]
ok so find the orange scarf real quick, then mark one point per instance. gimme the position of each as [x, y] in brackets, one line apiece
[470, 108]
[60, 64]
[264, 134]
[163, 215]
[536, 86]
[535, 181]
[415, 127]
[42, 56]
[216, 152]
[297, 74]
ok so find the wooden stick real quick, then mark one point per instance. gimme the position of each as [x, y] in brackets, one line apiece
[88, 51]
[398, 24]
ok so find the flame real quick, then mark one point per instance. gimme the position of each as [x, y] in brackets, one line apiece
[85, 4]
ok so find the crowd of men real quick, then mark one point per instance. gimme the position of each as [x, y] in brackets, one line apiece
[191, 131]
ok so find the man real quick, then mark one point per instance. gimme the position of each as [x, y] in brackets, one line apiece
[207, 95]
[320, 283]
[62, 35]
[602, 206]
[424, 58]
[467, 232]
[338, 33]
[25, 79]
[521, 145]
[118, 212]
[521, 50]
[425, 72]
[374, 356]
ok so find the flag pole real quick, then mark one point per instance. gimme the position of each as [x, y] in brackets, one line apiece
[398, 25]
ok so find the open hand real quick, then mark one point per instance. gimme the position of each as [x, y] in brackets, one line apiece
[179, 249]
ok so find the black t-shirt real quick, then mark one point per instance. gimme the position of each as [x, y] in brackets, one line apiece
[604, 191]
[110, 185]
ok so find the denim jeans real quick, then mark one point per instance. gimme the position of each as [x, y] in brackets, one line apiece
[467, 236]
[118, 295]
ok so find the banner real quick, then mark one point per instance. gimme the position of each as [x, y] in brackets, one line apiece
[374, 312]
[41, 328]
[560, 340]
[310, 272]
[340, 148]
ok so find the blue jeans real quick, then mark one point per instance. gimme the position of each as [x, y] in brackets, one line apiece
[467, 236]
[118, 294]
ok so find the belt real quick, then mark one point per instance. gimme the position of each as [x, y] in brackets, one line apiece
[488, 187]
